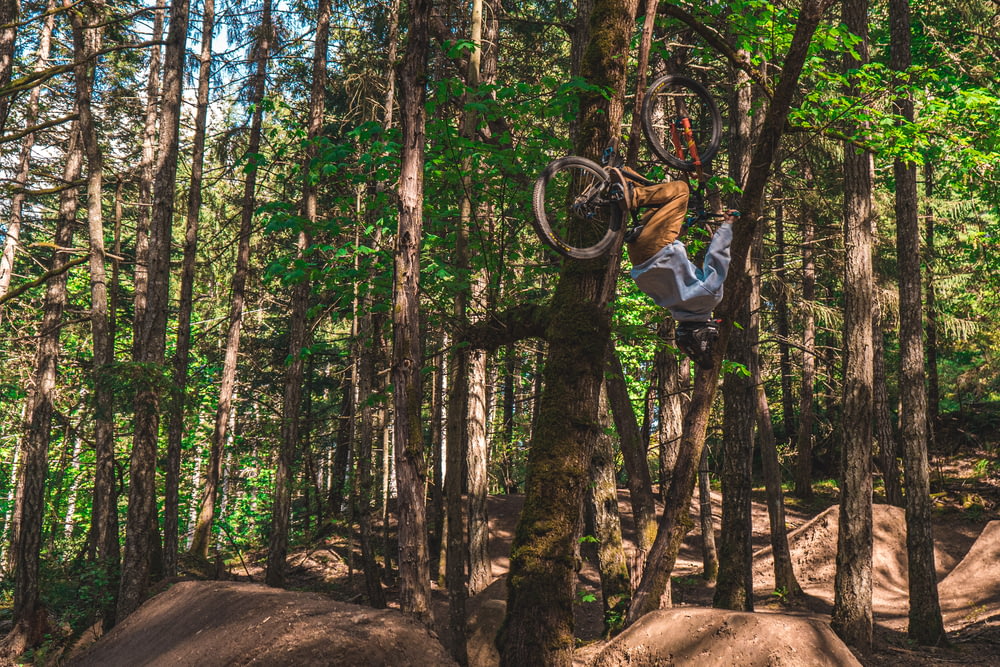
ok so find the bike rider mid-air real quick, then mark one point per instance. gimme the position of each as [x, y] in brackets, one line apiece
[661, 267]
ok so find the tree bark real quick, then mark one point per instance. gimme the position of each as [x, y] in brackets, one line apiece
[782, 318]
[141, 537]
[672, 378]
[885, 433]
[369, 353]
[206, 513]
[633, 450]
[930, 345]
[925, 623]
[709, 552]
[30, 619]
[538, 628]
[147, 163]
[852, 610]
[298, 322]
[181, 362]
[103, 538]
[414, 595]
[784, 574]
[803, 447]
[602, 506]
[10, 13]
[12, 231]
[734, 586]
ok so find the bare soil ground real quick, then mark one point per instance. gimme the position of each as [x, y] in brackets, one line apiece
[216, 623]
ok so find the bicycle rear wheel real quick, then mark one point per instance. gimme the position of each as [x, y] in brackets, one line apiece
[572, 213]
[668, 101]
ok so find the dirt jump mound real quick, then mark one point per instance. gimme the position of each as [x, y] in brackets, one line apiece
[699, 637]
[227, 623]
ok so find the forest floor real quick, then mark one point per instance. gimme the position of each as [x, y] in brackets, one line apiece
[246, 623]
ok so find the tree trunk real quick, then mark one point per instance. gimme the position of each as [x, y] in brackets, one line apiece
[672, 378]
[931, 347]
[672, 524]
[103, 538]
[30, 618]
[147, 163]
[414, 594]
[477, 450]
[369, 353]
[782, 318]
[784, 575]
[709, 552]
[141, 537]
[640, 485]
[734, 586]
[888, 443]
[298, 323]
[455, 548]
[925, 626]
[206, 513]
[803, 447]
[602, 506]
[10, 13]
[538, 628]
[852, 610]
[175, 432]
[12, 230]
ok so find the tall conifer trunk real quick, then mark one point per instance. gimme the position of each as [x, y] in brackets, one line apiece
[30, 617]
[926, 625]
[227, 385]
[298, 325]
[852, 610]
[734, 586]
[151, 329]
[803, 438]
[181, 362]
[10, 13]
[656, 575]
[414, 567]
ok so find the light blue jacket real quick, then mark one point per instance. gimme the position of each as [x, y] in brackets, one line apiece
[674, 282]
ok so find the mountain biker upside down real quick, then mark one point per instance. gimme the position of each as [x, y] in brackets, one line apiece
[661, 267]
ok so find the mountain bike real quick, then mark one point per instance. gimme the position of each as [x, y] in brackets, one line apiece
[577, 211]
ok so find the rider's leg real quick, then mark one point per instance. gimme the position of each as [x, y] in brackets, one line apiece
[661, 225]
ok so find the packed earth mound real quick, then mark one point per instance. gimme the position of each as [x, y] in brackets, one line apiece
[230, 623]
[699, 637]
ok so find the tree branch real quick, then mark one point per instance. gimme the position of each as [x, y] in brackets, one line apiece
[528, 320]
[715, 40]
[51, 273]
[37, 128]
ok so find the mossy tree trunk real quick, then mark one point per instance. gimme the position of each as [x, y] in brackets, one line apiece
[602, 512]
[539, 624]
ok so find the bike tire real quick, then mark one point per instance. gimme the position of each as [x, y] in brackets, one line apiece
[657, 115]
[563, 220]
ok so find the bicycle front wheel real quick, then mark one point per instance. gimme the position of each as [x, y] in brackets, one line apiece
[673, 104]
[572, 213]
